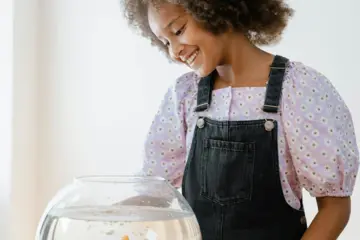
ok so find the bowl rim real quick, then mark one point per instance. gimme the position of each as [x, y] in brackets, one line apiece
[117, 179]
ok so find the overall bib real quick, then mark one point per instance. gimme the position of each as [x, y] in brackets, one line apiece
[231, 178]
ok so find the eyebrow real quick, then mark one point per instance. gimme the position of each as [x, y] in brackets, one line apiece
[171, 22]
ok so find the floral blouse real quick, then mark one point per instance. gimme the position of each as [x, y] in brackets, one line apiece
[316, 139]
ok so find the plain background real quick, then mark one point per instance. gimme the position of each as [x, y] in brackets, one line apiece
[78, 92]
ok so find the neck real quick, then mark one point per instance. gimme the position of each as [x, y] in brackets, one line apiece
[244, 63]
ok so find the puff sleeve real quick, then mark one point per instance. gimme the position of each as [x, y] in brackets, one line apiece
[165, 145]
[320, 134]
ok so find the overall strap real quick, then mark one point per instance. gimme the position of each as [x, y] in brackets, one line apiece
[274, 85]
[205, 88]
[273, 90]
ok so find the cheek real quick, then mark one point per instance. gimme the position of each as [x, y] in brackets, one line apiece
[205, 40]
[211, 55]
[195, 35]
[189, 38]
[208, 46]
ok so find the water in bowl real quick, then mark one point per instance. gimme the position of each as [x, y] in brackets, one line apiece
[124, 222]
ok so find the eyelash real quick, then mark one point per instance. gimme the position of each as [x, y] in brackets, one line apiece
[178, 33]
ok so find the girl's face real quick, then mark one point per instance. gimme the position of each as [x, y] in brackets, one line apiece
[186, 40]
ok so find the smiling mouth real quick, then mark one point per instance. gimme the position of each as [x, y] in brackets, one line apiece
[192, 58]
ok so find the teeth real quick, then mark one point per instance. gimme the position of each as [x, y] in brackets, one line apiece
[190, 60]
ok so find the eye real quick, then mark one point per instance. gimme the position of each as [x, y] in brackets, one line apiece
[180, 31]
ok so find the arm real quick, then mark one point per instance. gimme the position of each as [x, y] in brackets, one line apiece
[163, 153]
[330, 221]
[322, 143]
[165, 145]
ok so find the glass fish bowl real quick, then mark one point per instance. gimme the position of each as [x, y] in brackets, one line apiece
[118, 208]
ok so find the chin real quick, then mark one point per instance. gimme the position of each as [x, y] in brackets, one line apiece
[203, 71]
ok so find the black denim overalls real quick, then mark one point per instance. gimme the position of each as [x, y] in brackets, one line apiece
[232, 179]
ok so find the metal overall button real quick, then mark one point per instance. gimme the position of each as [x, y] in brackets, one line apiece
[200, 123]
[269, 125]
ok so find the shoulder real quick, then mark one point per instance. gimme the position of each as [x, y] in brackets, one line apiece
[184, 86]
[299, 74]
[308, 96]
[307, 83]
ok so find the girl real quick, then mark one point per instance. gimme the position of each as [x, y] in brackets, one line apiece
[245, 131]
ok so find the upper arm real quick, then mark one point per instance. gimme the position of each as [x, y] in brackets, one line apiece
[165, 145]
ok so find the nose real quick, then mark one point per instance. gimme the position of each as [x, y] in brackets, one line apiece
[175, 50]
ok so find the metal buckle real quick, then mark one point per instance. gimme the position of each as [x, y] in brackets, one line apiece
[272, 106]
[278, 67]
[204, 106]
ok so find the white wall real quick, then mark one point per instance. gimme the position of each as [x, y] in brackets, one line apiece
[24, 134]
[97, 91]
[6, 57]
[94, 110]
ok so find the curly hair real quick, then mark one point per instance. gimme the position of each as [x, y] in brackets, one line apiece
[261, 21]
